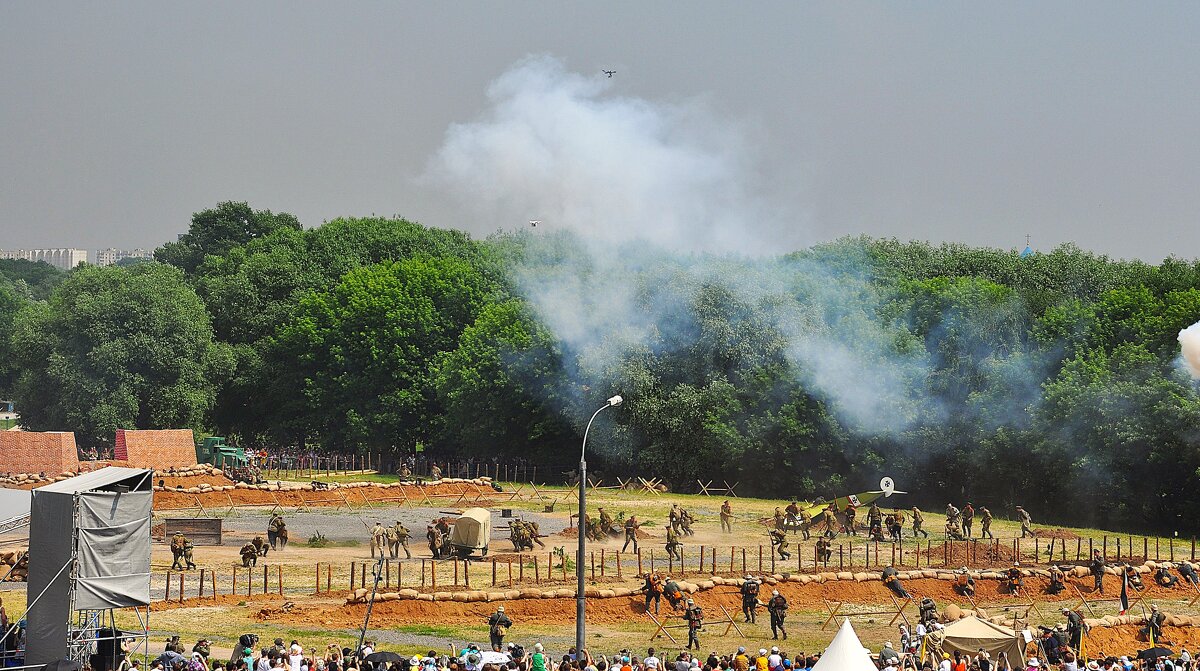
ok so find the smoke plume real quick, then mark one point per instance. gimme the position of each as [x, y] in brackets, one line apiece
[559, 147]
[1189, 348]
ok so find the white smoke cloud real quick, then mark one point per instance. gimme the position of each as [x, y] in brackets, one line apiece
[560, 147]
[1189, 348]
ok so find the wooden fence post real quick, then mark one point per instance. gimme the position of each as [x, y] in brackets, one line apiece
[200, 594]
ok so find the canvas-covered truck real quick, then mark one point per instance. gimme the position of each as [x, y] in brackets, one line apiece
[471, 532]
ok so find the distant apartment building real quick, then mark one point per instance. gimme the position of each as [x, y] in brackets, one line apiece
[59, 258]
[107, 257]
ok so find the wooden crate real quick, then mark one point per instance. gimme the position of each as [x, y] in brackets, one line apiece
[199, 530]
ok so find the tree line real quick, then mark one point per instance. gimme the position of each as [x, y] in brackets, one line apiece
[1050, 380]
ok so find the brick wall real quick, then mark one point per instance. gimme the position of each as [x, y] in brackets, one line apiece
[161, 449]
[50, 452]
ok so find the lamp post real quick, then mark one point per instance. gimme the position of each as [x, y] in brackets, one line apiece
[580, 602]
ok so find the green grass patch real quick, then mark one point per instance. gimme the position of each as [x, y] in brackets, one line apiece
[429, 630]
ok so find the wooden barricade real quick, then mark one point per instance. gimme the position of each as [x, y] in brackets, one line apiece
[897, 612]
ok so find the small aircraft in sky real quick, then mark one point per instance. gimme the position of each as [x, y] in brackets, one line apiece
[610, 73]
[534, 222]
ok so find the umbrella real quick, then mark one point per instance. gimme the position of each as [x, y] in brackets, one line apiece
[383, 657]
[492, 657]
[1155, 653]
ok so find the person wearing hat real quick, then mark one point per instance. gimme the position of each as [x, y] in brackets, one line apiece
[774, 660]
[1075, 627]
[1033, 664]
[777, 607]
[1026, 522]
[741, 661]
[945, 664]
[760, 662]
[1155, 624]
[888, 656]
[749, 592]
[498, 625]
[695, 619]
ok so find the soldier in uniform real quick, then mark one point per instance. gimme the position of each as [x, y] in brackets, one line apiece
[891, 578]
[606, 522]
[805, 522]
[673, 545]
[1133, 578]
[726, 517]
[519, 535]
[1163, 575]
[631, 528]
[685, 522]
[824, 551]
[953, 521]
[779, 543]
[875, 515]
[1026, 522]
[749, 592]
[1075, 627]
[591, 528]
[851, 511]
[1188, 572]
[694, 616]
[673, 593]
[249, 555]
[968, 518]
[435, 472]
[378, 540]
[535, 534]
[398, 535]
[498, 625]
[654, 591]
[793, 514]
[435, 541]
[918, 520]
[180, 552]
[777, 606]
[780, 520]
[985, 519]
[831, 519]
[676, 518]
[260, 545]
[1096, 566]
[1154, 625]
[1015, 580]
[1058, 580]
[276, 531]
[927, 611]
[964, 584]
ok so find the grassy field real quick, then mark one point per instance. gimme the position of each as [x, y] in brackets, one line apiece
[226, 620]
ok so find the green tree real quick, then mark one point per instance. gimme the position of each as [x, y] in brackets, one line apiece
[10, 304]
[36, 279]
[364, 351]
[215, 231]
[117, 348]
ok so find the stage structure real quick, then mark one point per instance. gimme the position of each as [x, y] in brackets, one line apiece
[89, 537]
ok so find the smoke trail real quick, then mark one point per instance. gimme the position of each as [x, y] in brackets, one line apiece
[1189, 348]
[556, 146]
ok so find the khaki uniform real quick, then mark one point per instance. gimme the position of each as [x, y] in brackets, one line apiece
[918, 520]
[398, 538]
[673, 545]
[378, 540]
[726, 518]
[1026, 522]
[985, 523]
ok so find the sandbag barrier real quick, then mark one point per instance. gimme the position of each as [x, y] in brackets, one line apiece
[361, 595]
[9, 569]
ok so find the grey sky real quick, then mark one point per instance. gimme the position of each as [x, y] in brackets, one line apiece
[969, 122]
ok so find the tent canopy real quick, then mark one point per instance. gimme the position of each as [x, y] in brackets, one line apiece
[845, 653]
[472, 529]
[971, 633]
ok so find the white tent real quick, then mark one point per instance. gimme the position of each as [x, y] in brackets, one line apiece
[845, 653]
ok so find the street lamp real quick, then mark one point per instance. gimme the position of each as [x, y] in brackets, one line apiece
[580, 602]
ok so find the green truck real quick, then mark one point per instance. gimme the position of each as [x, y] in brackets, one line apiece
[214, 450]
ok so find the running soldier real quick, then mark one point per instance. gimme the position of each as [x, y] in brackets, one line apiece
[378, 540]
[673, 545]
[780, 543]
[805, 522]
[824, 550]
[985, 520]
[1026, 522]
[249, 555]
[397, 536]
[631, 529]
[848, 527]
[777, 607]
[726, 518]
[606, 522]
[918, 520]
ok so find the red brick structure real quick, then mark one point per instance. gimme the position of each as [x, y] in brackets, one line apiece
[163, 449]
[51, 452]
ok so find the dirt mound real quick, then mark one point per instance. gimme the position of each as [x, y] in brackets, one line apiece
[357, 496]
[1123, 640]
[968, 553]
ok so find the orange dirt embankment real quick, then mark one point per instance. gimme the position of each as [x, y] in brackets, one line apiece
[990, 596]
[1123, 640]
[441, 494]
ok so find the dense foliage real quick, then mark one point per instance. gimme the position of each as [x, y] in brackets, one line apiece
[965, 374]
